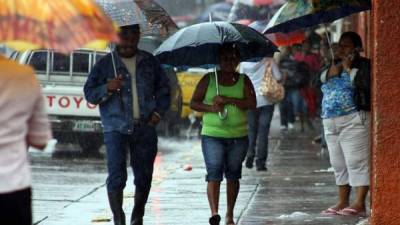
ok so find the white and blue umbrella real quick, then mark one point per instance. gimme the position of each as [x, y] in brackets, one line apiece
[297, 14]
[152, 18]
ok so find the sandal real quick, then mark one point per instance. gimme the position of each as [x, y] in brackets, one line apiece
[352, 212]
[214, 220]
[330, 211]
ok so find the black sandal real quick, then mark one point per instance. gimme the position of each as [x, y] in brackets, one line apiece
[214, 220]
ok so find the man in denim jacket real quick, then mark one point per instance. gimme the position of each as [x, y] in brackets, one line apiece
[133, 93]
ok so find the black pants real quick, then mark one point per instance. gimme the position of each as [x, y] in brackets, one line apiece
[16, 208]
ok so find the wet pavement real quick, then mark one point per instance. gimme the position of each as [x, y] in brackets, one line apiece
[294, 190]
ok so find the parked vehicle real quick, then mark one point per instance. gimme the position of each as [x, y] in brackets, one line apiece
[73, 119]
[188, 80]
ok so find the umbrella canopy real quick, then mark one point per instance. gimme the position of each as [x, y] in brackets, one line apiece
[151, 17]
[59, 25]
[296, 14]
[156, 14]
[198, 45]
[218, 12]
[279, 38]
[262, 2]
[240, 11]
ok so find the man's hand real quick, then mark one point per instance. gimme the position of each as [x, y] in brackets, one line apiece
[154, 119]
[115, 84]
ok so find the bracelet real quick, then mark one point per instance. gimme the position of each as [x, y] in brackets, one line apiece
[157, 114]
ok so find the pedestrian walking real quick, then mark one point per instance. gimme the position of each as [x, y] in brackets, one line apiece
[307, 56]
[346, 120]
[133, 93]
[295, 77]
[24, 123]
[224, 139]
[259, 119]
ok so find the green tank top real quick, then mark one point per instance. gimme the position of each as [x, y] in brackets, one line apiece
[235, 125]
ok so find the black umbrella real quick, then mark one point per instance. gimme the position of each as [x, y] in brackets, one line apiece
[198, 45]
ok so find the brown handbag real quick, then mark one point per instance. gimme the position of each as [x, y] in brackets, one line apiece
[270, 88]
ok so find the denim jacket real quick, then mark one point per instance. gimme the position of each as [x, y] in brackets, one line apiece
[116, 110]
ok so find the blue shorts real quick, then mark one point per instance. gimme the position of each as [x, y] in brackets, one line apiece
[224, 155]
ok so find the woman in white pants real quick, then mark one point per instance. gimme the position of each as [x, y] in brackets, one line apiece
[345, 114]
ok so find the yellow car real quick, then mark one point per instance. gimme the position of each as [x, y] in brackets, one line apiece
[188, 80]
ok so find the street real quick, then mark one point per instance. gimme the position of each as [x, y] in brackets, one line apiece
[296, 188]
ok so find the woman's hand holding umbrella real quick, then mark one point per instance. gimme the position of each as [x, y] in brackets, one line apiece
[218, 104]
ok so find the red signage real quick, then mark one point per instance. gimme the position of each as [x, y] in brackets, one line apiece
[74, 102]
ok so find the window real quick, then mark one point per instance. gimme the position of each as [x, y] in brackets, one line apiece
[15, 55]
[99, 56]
[81, 63]
[38, 61]
[61, 63]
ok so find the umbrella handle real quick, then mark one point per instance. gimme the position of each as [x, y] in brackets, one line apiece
[113, 61]
[222, 115]
[116, 76]
[330, 44]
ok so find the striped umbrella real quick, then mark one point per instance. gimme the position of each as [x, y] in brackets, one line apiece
[298, 14]
[279, 38]
[54, 24]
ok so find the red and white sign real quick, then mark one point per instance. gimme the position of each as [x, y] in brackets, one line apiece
[68, 101]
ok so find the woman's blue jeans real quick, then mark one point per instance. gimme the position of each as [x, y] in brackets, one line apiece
[224, 156]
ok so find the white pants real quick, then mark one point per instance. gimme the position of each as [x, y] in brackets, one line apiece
[348, 140]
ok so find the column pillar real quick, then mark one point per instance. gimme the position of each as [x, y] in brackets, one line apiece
[385, 176]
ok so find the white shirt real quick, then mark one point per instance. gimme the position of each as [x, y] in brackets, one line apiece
[23, 120]
[130, 64]
[255, 71]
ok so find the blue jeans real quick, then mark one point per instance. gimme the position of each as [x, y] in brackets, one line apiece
[224, 155]
[286, 110]
[142, 146]
[297, 101]
[259, 124]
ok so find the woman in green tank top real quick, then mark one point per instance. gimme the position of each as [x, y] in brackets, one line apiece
[224, 140]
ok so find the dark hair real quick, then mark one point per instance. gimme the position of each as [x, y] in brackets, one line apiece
[354, 37]
[230, 47]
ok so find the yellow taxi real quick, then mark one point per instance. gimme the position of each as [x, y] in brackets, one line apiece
[188, 80]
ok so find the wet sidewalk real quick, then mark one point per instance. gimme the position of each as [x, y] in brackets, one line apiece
[294, 190]
[297, 187]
